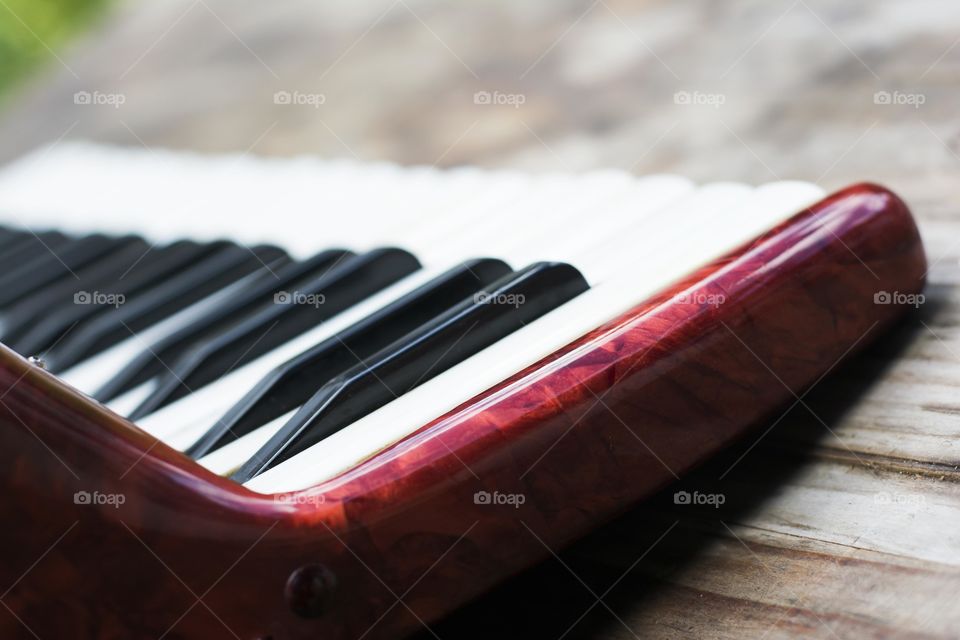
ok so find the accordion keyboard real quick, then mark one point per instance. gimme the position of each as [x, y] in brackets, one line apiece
[283, 330]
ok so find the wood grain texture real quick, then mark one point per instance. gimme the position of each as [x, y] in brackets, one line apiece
[832, 560]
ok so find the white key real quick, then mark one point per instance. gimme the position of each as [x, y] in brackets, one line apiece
[627, 209]
[229, 457]
[436, 193]
[89, 374]
[659, 230]
[125, 403]
[81, 187]
[770, 205]
[380, 216]
[564, 200]
[442, 221]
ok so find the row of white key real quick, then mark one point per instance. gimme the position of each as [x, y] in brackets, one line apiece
[628, 236]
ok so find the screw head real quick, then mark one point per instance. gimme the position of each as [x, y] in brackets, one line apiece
[309, 590]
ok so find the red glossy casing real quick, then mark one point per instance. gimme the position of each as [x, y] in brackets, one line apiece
[401, 539]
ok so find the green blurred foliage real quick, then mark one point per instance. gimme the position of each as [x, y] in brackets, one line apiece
[30, 29]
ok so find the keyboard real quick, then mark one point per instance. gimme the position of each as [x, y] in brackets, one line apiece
[301, 398]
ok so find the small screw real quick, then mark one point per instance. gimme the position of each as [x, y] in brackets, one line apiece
[37, 361]
[309, 590]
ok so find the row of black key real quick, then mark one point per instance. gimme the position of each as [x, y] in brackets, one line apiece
[361, 368]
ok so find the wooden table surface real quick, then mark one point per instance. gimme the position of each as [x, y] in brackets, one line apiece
[842, 520]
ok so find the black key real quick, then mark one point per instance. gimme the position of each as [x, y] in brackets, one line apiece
[46, 264]
[9, 236]
[351, 282]
[227, 265]
[10, 239]
[291, 384]
[30, 247]
[31, 327]
[151, 361]
[62, 262]
[442, 343]
[49, 301]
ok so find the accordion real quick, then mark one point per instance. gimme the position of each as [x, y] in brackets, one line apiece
[291, 399]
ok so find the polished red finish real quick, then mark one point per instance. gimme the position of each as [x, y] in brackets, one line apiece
[400, 540]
